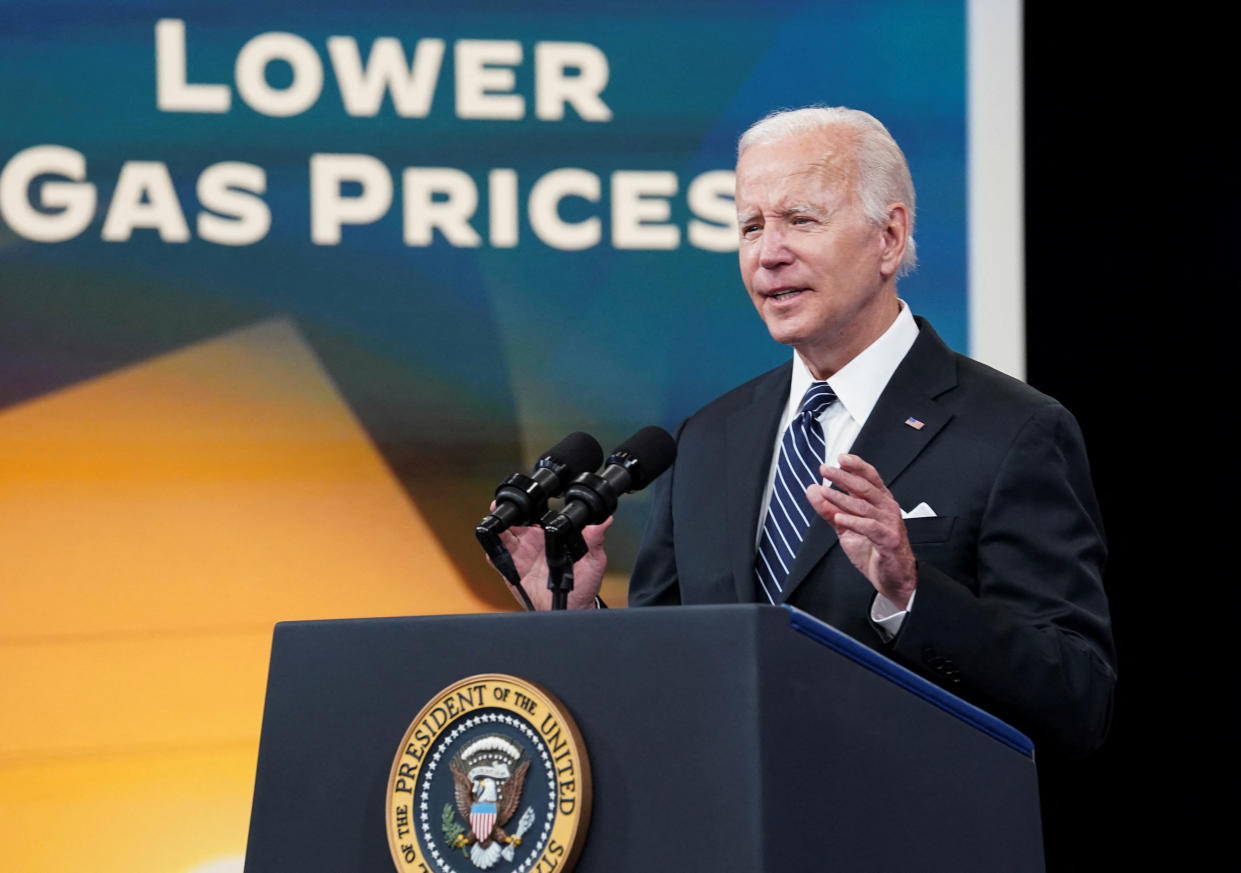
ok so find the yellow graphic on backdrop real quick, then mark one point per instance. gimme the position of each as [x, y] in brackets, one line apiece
[157, 522]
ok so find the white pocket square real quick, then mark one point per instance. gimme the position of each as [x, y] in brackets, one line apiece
[922, 510]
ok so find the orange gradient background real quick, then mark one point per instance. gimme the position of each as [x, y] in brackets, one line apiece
[156, 523]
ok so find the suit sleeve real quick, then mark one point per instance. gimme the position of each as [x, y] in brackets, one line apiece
[654, 580]
[1031, 638]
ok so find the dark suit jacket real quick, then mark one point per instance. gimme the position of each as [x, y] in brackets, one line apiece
[1010, 611]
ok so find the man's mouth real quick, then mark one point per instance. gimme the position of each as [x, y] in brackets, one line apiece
[784, 293]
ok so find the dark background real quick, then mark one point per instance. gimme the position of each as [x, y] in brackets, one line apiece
[1131, 211]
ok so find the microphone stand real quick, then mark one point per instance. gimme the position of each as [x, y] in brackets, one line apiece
[564, 547]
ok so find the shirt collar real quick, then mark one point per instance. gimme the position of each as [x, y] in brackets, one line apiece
[859, 383]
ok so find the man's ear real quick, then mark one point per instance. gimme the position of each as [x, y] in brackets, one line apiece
[893, 237]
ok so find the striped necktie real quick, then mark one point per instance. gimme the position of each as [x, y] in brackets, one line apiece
[802, 450]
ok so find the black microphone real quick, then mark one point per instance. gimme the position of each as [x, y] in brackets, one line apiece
[523, 499]
[592, 497]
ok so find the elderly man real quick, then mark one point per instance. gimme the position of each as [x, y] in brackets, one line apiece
[919, 501]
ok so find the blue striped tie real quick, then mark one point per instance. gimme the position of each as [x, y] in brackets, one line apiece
[802, 450]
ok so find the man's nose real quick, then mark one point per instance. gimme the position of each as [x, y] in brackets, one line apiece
[773, 248]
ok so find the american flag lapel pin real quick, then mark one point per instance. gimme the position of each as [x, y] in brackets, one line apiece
[914, 423]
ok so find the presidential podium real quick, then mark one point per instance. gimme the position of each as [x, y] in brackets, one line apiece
[721, 738]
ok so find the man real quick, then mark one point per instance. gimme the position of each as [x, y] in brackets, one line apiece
[989, 580]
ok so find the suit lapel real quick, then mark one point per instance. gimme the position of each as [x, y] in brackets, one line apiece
[750, 432]
[886, 441]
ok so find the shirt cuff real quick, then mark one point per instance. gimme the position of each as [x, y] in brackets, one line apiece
[887, 616]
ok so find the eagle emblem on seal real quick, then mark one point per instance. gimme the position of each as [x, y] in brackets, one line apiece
[488, 775]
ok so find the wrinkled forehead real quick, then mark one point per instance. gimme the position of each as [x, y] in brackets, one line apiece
[818, 162]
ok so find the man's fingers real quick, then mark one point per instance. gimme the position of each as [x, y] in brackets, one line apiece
[855, 475]
[842, 478]
[852, 482]
[883, 536]
[847, 513]
[594, 533]
[866, 527]
[877, 530]
[833, 500]
[859, 467]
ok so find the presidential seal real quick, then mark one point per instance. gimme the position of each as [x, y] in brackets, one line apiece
[492, 774]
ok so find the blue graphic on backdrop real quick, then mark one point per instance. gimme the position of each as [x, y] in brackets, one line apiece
[493, 227]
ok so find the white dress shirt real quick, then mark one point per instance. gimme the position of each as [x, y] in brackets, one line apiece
[858, 385]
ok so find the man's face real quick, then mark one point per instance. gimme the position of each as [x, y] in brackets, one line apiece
[817, 270]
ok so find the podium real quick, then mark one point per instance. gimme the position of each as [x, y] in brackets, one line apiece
[721, 738]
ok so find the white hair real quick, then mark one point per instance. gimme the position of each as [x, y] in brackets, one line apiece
[883, 173]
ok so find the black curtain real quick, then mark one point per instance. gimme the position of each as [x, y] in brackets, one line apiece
[1131, 227]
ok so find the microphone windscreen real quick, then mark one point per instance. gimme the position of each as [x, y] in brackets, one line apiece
[646, 454]
[577, 453]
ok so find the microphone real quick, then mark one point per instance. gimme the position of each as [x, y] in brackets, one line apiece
[523, 499]
[591, 498]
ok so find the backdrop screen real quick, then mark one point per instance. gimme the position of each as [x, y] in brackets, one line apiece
[288, 289]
